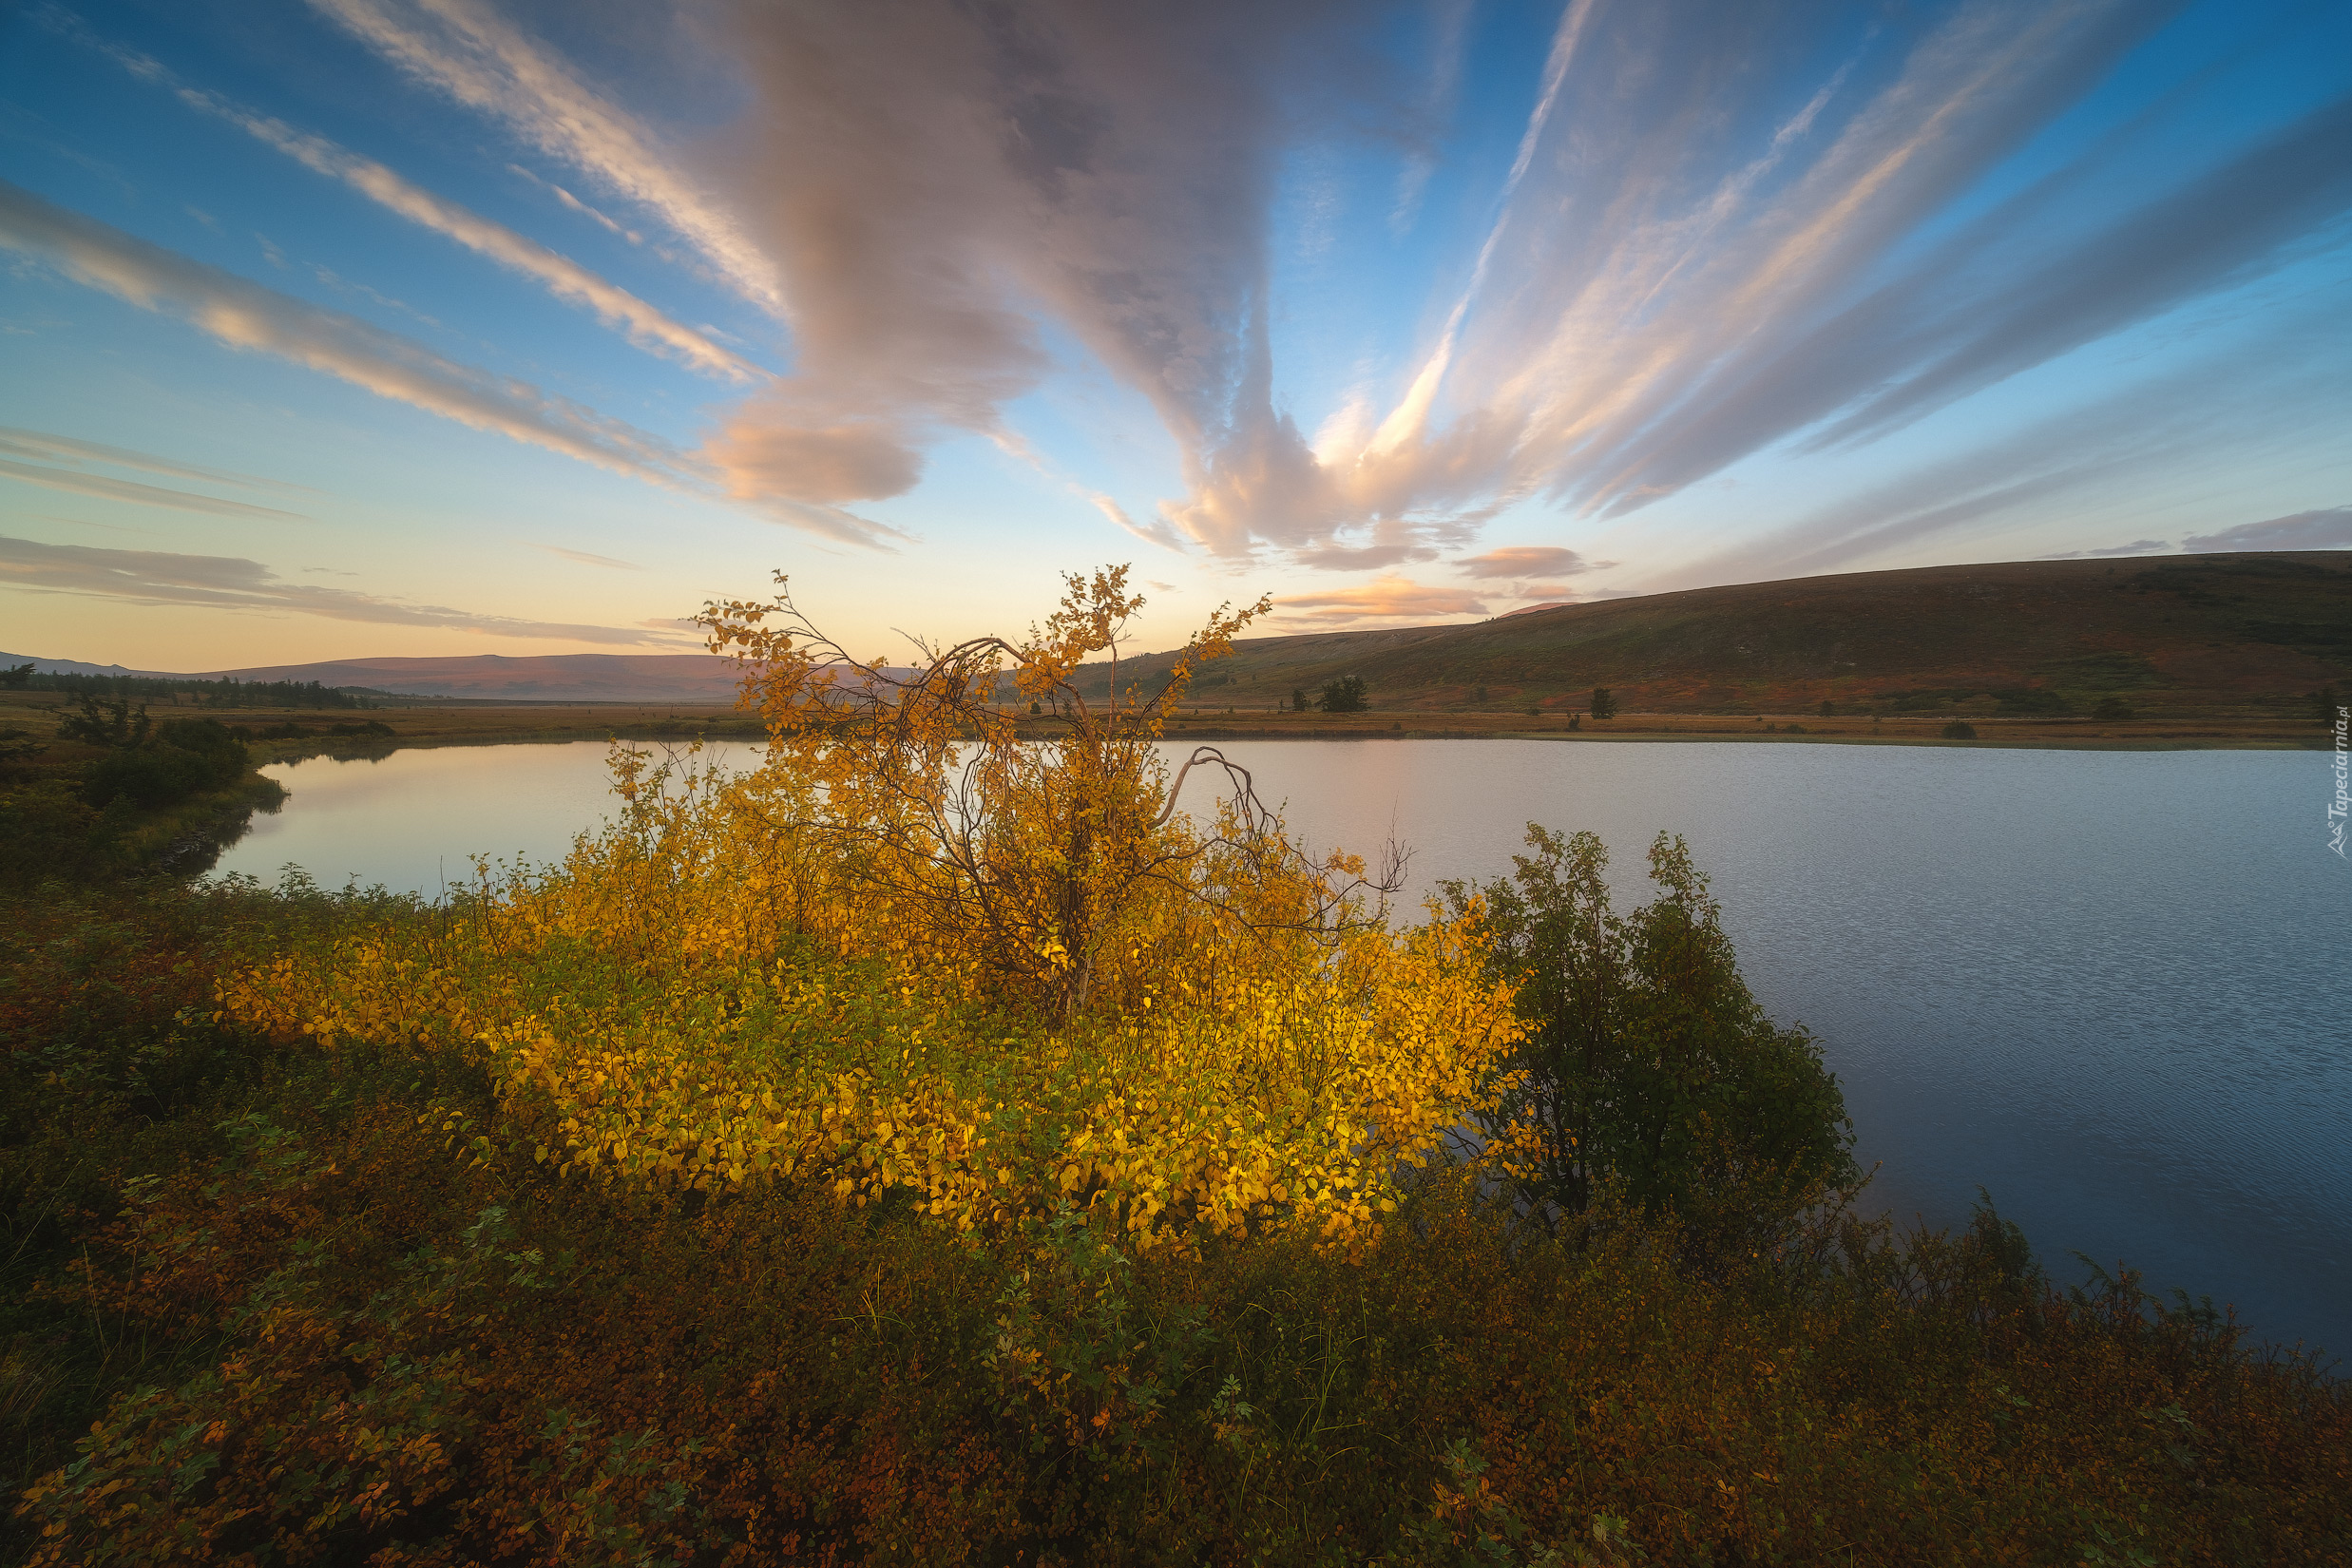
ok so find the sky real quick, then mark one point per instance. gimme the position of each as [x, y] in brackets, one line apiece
[357, 328]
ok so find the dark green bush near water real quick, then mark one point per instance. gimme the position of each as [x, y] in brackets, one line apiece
[116, 793]
[1649, 1070]
[186, 757]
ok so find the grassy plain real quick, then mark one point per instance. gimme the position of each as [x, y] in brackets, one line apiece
[426, 723]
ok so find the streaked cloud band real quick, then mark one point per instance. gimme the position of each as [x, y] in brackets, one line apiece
[158, 577]
[246, 316]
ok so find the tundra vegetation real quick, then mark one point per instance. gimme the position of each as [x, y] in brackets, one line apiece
[109, 791]
[934, 1146]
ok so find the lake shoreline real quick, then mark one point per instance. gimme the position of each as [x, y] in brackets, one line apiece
[474, 726]
[427, 723]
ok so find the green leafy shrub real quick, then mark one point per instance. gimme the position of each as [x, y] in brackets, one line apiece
[1648, 1065]
[186, 756]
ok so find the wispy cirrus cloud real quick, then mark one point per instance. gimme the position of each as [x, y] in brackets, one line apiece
[246, 316]
[1680, 231]
[230, 583]
[2145, 444]
[643, 324]
[43, 447]
[915, 178]
[106, 489]
[573, 203]
[1722, 232]
[470, 52]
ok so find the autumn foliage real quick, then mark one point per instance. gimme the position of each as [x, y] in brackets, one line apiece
[912, 954]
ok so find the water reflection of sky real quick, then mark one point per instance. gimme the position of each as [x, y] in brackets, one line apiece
[412, 819]
[2100, 984]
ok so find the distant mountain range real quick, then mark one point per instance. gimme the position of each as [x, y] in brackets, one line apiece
[2173, 633]
[699, 679]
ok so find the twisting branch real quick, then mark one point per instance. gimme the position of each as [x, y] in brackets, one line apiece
[1040, 847]
[1245, 795]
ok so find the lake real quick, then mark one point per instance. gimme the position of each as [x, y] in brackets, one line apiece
[2106, 987]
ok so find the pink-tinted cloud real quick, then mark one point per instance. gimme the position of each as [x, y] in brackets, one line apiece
[928, 175]
[1389, 597]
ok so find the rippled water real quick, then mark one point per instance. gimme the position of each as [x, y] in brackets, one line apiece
[2106, 987]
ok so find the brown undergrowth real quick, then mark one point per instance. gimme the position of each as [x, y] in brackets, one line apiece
[290, 1328]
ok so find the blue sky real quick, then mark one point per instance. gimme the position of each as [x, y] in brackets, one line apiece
[365, 327]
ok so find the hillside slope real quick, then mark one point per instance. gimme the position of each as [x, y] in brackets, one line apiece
[2177, 635]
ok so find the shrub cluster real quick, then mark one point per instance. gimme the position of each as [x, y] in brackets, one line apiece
[115, 791]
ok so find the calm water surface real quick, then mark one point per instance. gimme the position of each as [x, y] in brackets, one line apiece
[2100, 984]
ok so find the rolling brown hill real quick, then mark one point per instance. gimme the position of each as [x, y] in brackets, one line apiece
[2172, 635]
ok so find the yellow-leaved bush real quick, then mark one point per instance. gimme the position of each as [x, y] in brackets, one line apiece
[799, 973]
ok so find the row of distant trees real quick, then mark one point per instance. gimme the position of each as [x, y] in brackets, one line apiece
[225, 692]
[1349, 694]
